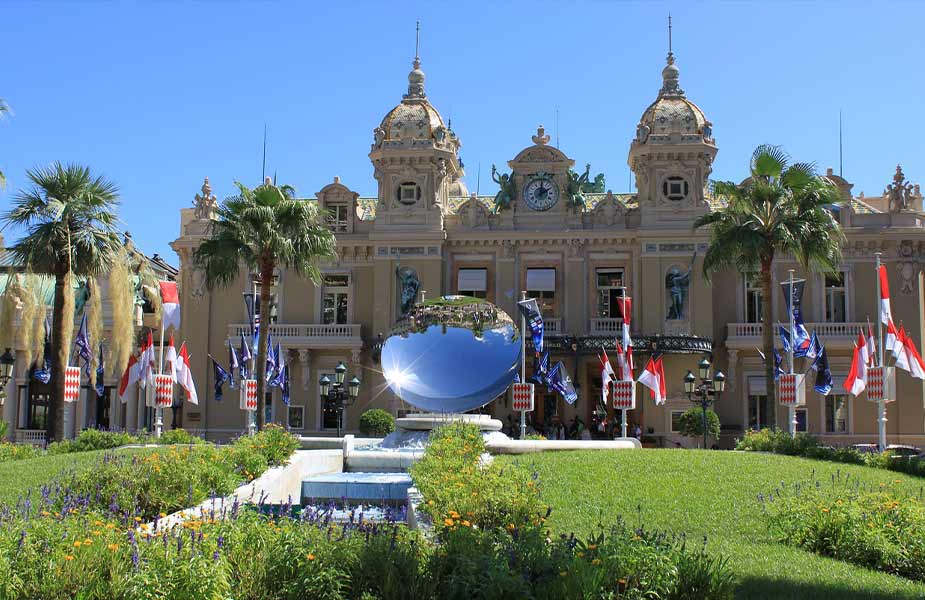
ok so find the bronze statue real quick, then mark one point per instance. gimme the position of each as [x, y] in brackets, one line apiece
[505, 195]
[408, 286]
[677, 283]
[576, 184]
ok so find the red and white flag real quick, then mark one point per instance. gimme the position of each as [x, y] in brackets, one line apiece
[890, 341]
[871, 346]
[886, 314]
[916, 365]
[130, 377]
[170, 360]
[626, 312]
[170, 300]
[183, 374]
[857, 375]
[146, 361]
[653, 377]
[624, 371]
[899, 350]
[607, 375]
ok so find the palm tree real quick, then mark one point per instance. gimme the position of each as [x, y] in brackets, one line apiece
[70, 222]
[263, 229]
[782, 207]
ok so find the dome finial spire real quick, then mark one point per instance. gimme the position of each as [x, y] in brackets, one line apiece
[671, 73]
[416, 76]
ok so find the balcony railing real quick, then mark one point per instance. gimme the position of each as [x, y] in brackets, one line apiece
[552, 326]
[749, 334]
[606, 326]
[307, 335]
[35, 437]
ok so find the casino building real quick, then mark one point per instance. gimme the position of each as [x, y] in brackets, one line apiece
[554, 232]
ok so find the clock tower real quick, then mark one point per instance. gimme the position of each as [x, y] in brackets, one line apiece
[540, 185]
[672, 156]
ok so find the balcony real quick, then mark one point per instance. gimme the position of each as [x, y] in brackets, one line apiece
[833, 335]
[606, 326]
[310, 335]
[552, 326]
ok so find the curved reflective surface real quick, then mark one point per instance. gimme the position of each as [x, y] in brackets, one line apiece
[451, 354]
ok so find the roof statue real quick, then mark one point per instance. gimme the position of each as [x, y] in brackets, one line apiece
[576, 185]
[205, 203]
[902, 195]
[505, 195]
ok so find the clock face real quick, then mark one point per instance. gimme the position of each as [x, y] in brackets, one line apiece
[541, 194]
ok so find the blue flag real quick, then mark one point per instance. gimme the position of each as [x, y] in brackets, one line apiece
[221, 377]
[43, 375]
[246, 357]
[561, 382]
[541, 370]
[100, 385]
[778, 359]
[823, 373]
[82, 343]
[285, 387]
[233, 364]
[784, 337]
[517, 377]
[815, 347]
[271, 359]
[531, 312]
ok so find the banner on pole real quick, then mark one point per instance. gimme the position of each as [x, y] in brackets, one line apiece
[249, 394]
[624, 395]
[791, 389]
[71, 384]
[163, 391]
[523, 396]
[881, 384]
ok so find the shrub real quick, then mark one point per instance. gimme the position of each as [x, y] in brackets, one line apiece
[876, 528]
[691, 423]
[274, 443]
[376, 423]
[179, 437]
[10, 451]
[93, 439]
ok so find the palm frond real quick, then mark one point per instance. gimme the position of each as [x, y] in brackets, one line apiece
[769, 161]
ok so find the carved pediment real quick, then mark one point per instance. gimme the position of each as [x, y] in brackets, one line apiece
[541, 154]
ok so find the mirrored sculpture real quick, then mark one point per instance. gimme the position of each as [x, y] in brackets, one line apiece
[451, 354]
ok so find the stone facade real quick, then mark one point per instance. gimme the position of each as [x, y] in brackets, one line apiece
[551, 232]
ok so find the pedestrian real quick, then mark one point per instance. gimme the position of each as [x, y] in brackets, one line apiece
[638, 432]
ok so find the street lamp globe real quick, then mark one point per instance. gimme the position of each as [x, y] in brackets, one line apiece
[704, 368]
[354, 387]
[340, 371]
[7, 360]
[324, 385]
[719, 382]
[689, 383]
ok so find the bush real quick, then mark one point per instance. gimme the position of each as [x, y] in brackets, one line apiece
[10, 451]
[93, 439]
[274, 443]
[376, 423]
[691, 423]
[179, 437]
[876, 528]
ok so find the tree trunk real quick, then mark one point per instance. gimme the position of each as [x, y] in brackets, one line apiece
[59, 353]
[266, 280]
[767, 337]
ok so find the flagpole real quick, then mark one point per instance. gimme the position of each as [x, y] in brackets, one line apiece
[252, 414]
[523, 363]
[881, 403]
[791, 409]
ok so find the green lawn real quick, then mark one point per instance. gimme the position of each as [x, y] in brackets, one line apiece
[712, 494]
[20, 476]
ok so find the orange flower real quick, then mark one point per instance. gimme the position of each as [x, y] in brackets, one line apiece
[77, 544]
[596, 561]
[310, 557]
[448, 522]
[113, 547]
[69, 557]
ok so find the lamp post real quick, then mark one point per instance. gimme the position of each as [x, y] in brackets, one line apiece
[335, 392]
[7, 360]
[707, 391]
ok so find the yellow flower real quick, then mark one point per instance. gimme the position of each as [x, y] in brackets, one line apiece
[581, 555]
[897, 481]
[162, 515]
[596, 561]
[45, 513]
[621, 581]
[310, 556]
[77, 544]
[138, 519]
[563, 573]
[88, 541]
[825, 510]
[113, 547]
[466, 523]
[97, 533]
[69, 557]
[592, 546]
[110, 526]
[448, 522]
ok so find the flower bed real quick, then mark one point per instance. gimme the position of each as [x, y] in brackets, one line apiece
[876, 527]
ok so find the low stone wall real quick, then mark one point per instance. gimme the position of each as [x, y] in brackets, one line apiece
[528, 446]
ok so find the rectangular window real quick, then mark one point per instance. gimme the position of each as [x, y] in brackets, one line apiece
[676, 420]
[836, 413]
[296, 418]
[801, 419]
[753, 298]
[472, 282]
[337, 217]
[836, 305]
[609, 289]
[335, 298]
[541, 284]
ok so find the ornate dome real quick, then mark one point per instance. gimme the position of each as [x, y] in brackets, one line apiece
[414, 118]
[673, 113]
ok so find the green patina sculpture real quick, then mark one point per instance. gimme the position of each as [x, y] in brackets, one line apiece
[505, 195]
[81, 295]
[595, 187]
[576, 184]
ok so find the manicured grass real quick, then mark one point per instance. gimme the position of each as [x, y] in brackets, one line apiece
[20, 476]
[713, 494]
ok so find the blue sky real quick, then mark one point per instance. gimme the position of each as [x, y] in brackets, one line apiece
[156, 96]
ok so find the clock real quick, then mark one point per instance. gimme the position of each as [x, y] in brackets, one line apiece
[541, 193]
